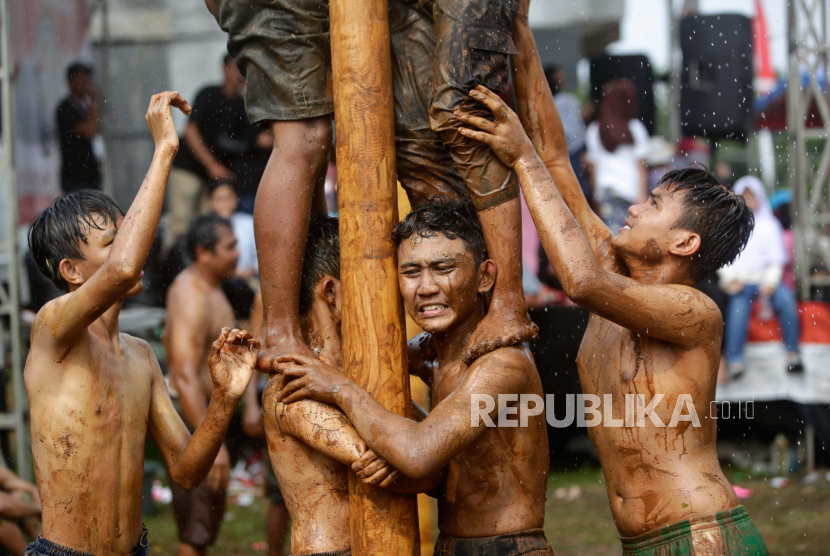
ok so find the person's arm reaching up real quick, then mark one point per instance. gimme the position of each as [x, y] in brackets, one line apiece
[540, 118]
[674, 313]
[62, 320]
[189, 460]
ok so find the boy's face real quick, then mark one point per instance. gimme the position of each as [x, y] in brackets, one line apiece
[223, 201]
[97, 249]
[222, 260]
[650, 229]
[439, 282]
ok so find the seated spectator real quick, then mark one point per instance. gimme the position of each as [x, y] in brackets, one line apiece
[617, 145]
[757, 272]
[224, 201]
[19, 511]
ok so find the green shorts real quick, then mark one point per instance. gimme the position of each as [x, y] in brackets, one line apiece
[729, 533]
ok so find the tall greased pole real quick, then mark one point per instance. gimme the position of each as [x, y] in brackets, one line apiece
[374, 353]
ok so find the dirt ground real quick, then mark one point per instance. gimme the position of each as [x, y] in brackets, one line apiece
[792, 520]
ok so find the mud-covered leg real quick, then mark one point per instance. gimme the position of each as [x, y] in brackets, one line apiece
[507, 322]
[281, 213]
[473, 42]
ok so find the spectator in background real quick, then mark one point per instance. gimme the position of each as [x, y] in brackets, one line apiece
[757, 272]
[77, 118]
[197, 310]
[218, 143]
[570, 110]
[224, 201]
[617, 145]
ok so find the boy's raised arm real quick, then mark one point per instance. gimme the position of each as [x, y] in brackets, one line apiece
[666, 312]
[71, 314]
[540, 119]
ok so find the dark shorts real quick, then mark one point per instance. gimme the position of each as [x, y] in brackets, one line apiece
[272, 487]
[425, 168]
[527, 543]
[42, 547]
[474, 39]
[729, 533]
[282, 48]
[198, 514]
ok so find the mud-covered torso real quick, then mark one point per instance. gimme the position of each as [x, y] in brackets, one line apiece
[497, 484]
[89, 417]
[314, 486]
[655, 475]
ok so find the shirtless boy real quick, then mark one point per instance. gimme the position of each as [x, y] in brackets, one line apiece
[96, 393]
[197, 309]
[650, 333]
[494, 497]
[311, 444]
[440, 50]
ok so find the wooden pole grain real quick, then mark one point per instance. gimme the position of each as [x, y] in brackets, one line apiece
[374, 352]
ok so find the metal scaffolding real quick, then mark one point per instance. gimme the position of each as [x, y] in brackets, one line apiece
[808, 124]
[13, 418]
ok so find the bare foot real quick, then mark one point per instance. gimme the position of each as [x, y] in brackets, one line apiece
[277, 344]
[505, 325]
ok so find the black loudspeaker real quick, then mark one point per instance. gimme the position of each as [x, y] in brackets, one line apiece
[716, 85]
[605, 67]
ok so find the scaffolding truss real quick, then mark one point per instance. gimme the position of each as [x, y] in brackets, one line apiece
[13, 418]
[808, 124]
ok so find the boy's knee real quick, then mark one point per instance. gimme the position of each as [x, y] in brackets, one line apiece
[308, 139]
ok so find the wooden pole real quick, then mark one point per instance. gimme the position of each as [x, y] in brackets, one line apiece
[374, 351]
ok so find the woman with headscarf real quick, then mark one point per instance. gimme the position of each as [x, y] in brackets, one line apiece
[757, 272]
[617, 144]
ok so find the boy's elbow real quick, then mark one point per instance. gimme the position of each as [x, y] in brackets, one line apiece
[416, 466]
[187, 482]
[578, 288]
[125, 272]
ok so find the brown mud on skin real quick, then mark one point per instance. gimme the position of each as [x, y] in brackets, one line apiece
[310, 445]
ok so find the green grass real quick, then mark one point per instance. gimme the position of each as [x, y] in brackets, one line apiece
[792, 520]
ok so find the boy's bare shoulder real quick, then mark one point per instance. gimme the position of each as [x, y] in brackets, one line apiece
[514, 364]
[144, 352]
[48, 314]
[515, 357]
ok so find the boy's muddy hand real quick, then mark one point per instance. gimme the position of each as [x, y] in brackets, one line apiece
[372, 469]
[505, 136]
[308, 377]
[160, 119]
[232, 358]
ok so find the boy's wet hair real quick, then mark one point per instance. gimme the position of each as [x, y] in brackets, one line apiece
[322, 257]
[714, 212]
[454, 219]
[57, 232]
[204, 232]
